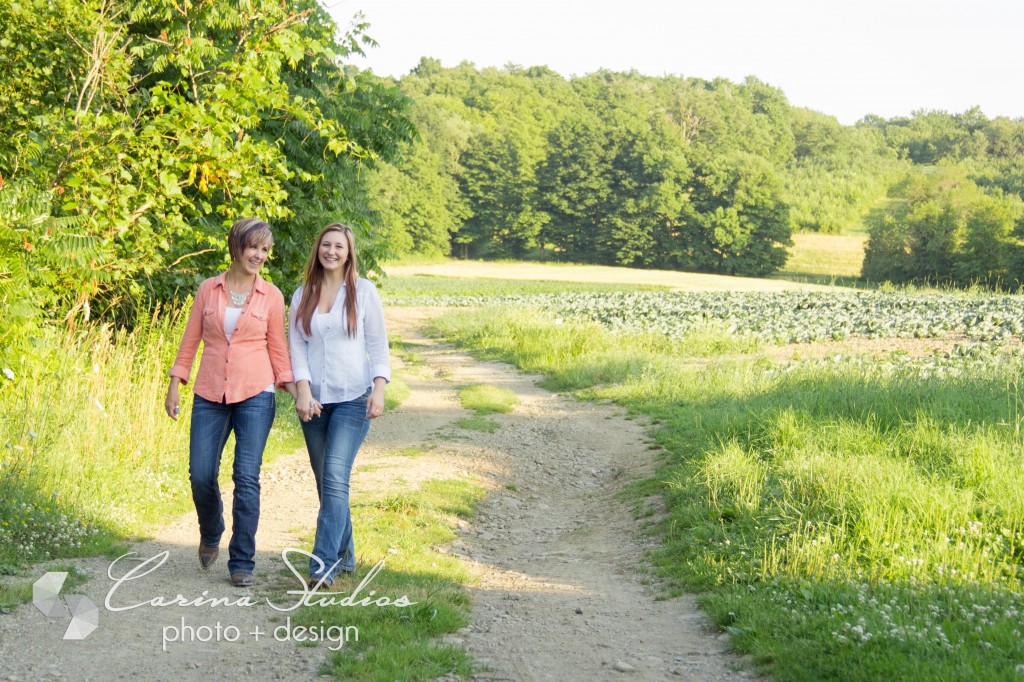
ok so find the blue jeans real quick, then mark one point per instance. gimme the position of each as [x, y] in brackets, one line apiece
[332, 440]
[211, 424]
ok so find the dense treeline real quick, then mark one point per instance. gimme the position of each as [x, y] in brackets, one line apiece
[684, 173]
[958, 218]
[623, 168]
[133, 133]
[607, 168]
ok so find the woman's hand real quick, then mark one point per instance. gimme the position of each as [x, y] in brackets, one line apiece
[305, 406]
[172, 404]
[375, 403]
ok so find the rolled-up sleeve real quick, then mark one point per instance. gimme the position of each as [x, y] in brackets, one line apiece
[182, 367]
[297, 342]
[277, 343]
[376, 334]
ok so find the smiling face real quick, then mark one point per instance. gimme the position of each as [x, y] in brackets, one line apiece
[249, 242]
[333, 251]
[254, 255]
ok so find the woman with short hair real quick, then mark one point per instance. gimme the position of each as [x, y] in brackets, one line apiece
[239, 317]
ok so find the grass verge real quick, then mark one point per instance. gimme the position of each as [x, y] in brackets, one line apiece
[486, 399]
[14, 594]
[408, 530]
[81, 476]
[849, 518]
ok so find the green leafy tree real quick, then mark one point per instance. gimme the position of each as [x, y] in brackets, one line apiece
[837, 174]
[489, 142]
[943, 228]
[992, 250]
[499, 187]
[417, 195]
[574, 190]
[736, 222]
[138, 131]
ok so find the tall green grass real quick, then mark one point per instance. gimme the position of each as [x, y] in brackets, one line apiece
[89, 460]
[88, 456]
[484, 400]
[487, 399]
[849, 518]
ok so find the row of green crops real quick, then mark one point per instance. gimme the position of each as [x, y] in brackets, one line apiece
[773, 317]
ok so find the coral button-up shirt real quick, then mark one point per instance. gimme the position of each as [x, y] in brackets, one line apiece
[255, 357]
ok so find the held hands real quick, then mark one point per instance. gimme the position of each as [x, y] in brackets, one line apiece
[305, 406]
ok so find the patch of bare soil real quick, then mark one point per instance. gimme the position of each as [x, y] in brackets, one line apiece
[876, 347]
[559, 587]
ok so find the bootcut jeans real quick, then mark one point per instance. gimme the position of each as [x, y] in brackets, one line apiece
[332, 439]
[212, 422]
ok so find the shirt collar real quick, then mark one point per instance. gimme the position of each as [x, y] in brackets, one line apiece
[221, 280]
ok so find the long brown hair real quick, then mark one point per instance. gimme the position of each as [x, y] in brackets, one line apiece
[314, 279]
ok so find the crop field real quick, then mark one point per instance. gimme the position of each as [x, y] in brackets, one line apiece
[844, 514]
[770, 317]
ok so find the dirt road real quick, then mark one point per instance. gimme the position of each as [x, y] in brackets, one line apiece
[560, 592]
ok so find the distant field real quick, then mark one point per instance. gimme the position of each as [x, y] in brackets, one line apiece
[821, 257]
[685, 281]
[815, 260]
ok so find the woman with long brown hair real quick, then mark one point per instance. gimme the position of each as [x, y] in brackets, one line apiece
[341, 364]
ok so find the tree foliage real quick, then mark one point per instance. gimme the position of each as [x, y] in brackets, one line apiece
[136, 132]
[600, 168]
[684, 173]
[944, 228]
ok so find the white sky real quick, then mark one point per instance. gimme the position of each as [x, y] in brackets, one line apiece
[848, 59]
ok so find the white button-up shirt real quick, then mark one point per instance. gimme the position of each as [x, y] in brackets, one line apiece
[338, 367]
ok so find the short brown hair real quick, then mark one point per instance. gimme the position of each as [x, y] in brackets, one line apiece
[247, 232]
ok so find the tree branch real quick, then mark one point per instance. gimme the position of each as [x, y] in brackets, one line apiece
[189, 255]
